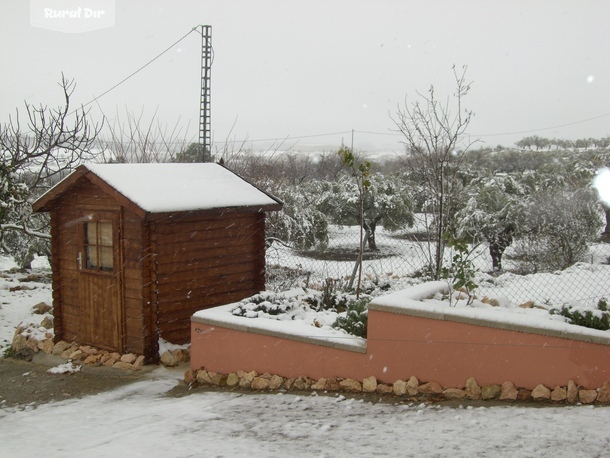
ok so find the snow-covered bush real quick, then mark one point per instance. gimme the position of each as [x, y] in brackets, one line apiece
[355, 320]
[595, 318]
[557, 228]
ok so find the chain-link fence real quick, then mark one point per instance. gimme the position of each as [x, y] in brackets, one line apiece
[401, 260]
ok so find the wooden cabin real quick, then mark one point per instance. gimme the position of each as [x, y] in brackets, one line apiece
[138, 248]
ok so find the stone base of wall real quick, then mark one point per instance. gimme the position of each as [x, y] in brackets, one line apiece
[411, 389]
[24, 346]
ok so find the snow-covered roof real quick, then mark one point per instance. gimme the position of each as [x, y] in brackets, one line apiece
[173, 187]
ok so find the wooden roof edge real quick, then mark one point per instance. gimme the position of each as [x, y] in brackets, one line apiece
[43, 203]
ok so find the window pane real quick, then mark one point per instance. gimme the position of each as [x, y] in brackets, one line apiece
[105, 233]
[105, 258]
[98, 245]
[91, 257]
[91, 233]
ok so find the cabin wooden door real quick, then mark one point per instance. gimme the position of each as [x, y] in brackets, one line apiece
[99, 283]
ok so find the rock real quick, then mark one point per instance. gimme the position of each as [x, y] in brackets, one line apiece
[492, 302]
[129, 358]
[189, 376]
[86, 349]
[508, 392]
[399, 387]
[524, 395]
[202, 377]
[168, 359]
[541, 393]
[246, 380]
[111, 361]
[266, 375]
[319, 384]
[47, 322]
[77, 355]
[430, 388]
[559, 394]
[351, 385]
[473, 390]
[260, 383]
[603, 394]
[41, 308]
[302, 383]
[93, 360]
[217, 378]
[332, 384]
[123, 365]
[46, 346]
[60, 347]
[454, 393]
[275, 382]
[139, 362]
[384, 389]
[491, 392]
[241, 373]
[572, 392]
[412, 386]
[288, 383]
[20, 342]
[232, 379]
[180, 355]
[587, 396]
[369, 384]
[32, 344]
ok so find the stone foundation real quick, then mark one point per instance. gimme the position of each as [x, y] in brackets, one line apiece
[24, 344]
[408, 389]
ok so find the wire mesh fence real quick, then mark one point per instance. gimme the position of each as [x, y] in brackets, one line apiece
[401, 260]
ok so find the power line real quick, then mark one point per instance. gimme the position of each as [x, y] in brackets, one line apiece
[137, 71]
[398, 134]
[545, 128]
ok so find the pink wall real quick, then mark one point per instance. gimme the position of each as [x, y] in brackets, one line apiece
[400, 346]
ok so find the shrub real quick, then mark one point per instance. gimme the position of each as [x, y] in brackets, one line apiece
[597, 318]
[356, 319]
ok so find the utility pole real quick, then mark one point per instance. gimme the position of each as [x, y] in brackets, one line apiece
[205, 111]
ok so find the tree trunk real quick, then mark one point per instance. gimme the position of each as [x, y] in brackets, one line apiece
[370, 230]
[498, 244]
[607, 229]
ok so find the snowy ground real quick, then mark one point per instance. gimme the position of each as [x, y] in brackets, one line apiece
[140, 420]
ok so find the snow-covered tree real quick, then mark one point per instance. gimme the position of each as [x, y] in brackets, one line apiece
[386, 202]
[490, 214]
[300, 224]
[37, 150]
[557, 227]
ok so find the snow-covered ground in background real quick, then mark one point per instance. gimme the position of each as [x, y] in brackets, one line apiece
[583, 282]
[139, 420]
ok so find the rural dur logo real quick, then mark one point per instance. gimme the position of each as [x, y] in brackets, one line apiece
[72, 16]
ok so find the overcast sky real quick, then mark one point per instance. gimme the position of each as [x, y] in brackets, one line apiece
[302, 69]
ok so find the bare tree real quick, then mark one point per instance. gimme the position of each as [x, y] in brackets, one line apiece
[134, 139]
[433, 134]
[38, 149]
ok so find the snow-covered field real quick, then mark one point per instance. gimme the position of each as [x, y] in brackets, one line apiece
[140, 420]
[584, 282]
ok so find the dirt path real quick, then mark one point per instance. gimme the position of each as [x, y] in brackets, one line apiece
[28, 383]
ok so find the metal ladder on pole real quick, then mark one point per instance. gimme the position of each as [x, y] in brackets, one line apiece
[205, 111]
